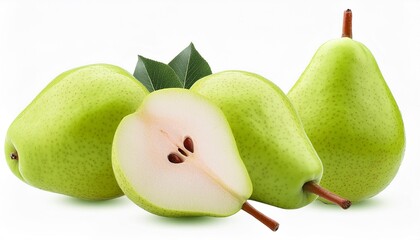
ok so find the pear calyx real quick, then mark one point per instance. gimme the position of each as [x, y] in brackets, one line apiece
[315, 188]
[14, 156]
[270, 223]
[347, 24]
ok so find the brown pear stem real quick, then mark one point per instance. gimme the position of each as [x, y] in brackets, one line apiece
[314, 188]
[270, 223]
[347, 24]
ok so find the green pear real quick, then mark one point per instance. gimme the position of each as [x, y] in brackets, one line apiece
[62, 141]
[176, 156]
[351, 117]
[270, 137]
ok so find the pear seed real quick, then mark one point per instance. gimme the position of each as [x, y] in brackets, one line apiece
[182, 152]
[189, 144]
[174, 158]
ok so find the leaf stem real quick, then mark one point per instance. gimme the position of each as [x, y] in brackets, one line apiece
[270, 223]
[315, 188]
[347, 24]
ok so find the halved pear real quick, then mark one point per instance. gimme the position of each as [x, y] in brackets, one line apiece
[176, 156]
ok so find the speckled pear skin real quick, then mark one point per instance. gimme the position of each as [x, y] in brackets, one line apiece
[64, 137]
[351, 118]
[270, 137]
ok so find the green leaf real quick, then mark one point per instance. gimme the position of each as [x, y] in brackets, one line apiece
[190, 66]
[156, 75]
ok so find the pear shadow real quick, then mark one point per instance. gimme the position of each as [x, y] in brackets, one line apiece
[119, 201]
[184, 221]
[365, 204]
[369, 203]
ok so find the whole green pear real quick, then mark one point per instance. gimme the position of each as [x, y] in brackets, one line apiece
[62, 141]
[351, 117]
[270, 137]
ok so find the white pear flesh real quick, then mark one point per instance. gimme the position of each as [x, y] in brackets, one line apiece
[211, 180]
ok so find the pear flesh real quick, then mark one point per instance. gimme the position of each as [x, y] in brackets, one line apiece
[351, 118]
[62, 141]
[176, 156]
[271, 140]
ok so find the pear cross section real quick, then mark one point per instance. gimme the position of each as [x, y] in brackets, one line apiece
[176, 156]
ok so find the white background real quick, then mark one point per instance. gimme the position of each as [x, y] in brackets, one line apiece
[40, 39]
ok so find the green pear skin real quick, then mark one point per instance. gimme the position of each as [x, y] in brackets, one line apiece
[270, 137]
[61, 142]
[351, 118]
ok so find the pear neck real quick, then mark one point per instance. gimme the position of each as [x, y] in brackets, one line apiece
[347, 24]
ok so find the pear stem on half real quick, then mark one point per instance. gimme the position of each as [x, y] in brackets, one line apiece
[314, 188]
[270, 223]
[347, 24]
